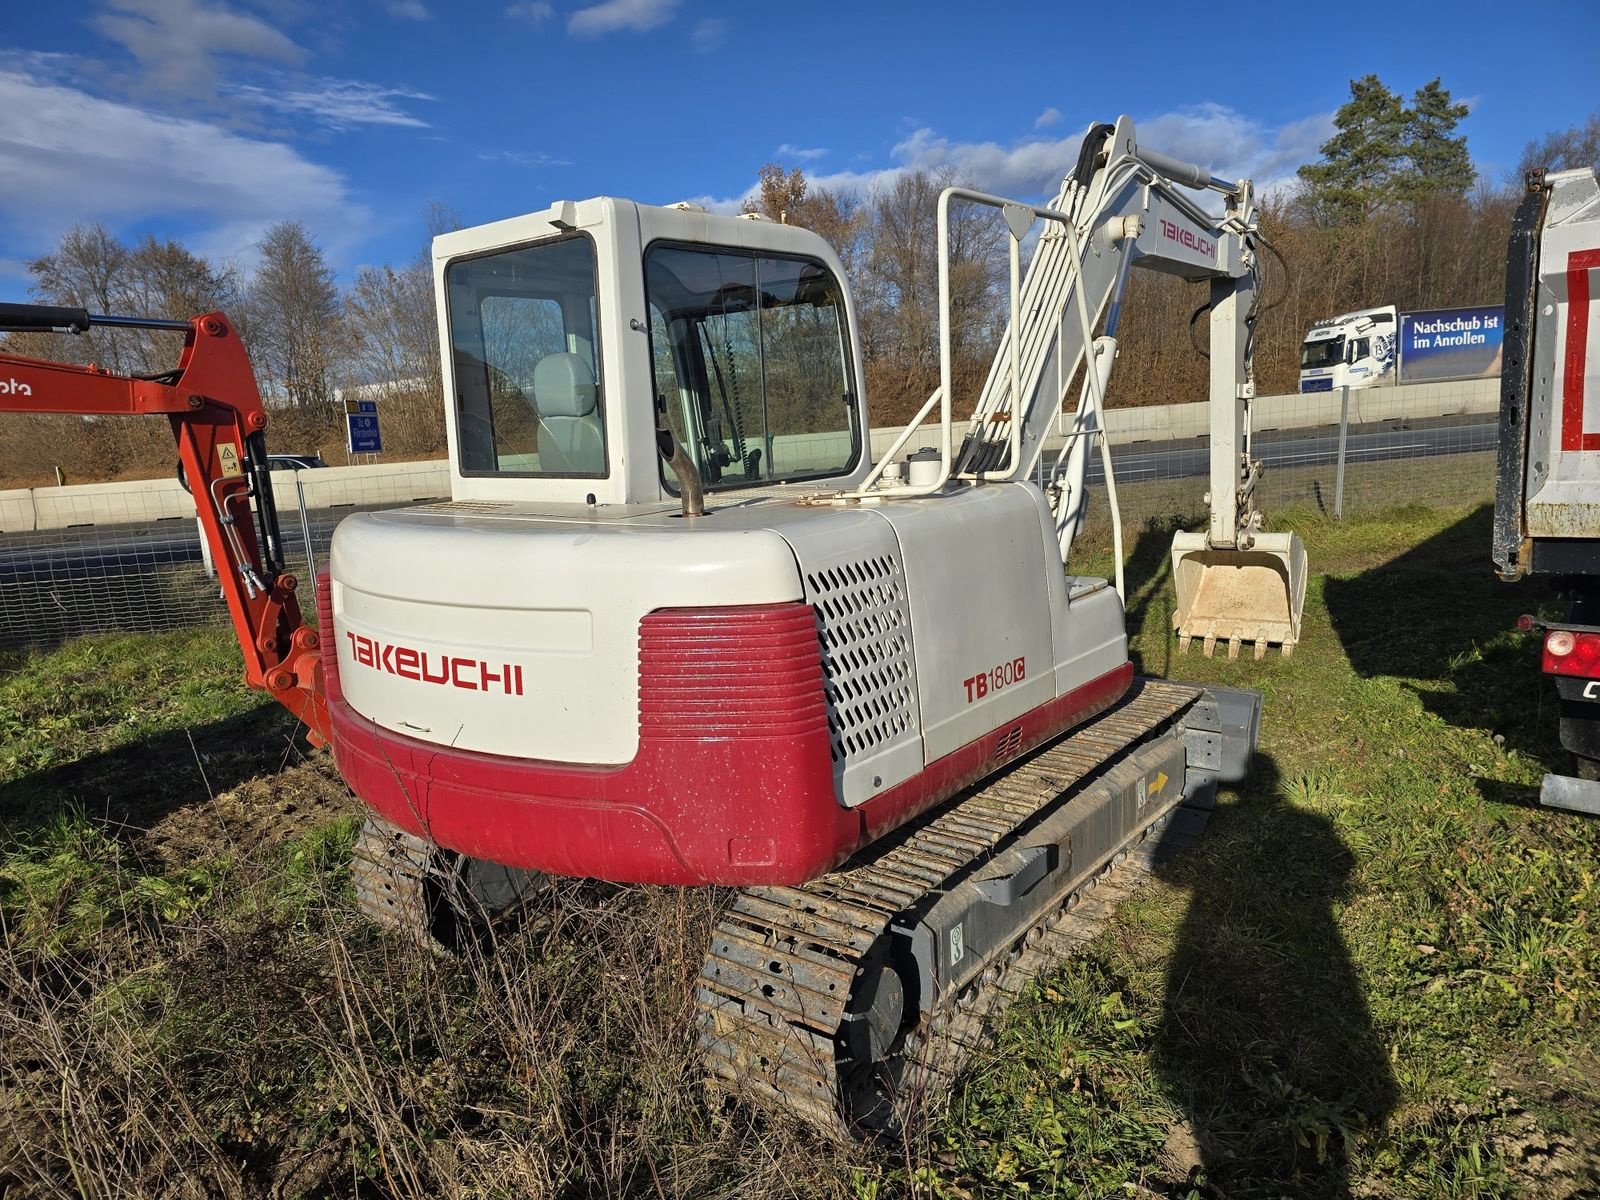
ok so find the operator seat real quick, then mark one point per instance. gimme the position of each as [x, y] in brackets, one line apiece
[567, 400]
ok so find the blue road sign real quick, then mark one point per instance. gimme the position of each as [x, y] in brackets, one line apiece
[361, 427]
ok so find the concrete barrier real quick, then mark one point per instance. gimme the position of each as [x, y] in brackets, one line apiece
[28, 509]
[137, 501]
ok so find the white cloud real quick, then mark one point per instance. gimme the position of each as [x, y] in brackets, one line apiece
[180, 43]
[409, 10]
[1049, 117]
[339, 103]
[534, 12]
[804, 155]
[709, 34]
[1235, 146]
[521, 158]
[69, 157]
[1227, 142]
[613, 15]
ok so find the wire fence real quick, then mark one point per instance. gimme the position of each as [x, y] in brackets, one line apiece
[129, 566]
[128, 557]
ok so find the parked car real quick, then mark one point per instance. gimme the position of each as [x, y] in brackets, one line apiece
[276, 462]
[294, 462]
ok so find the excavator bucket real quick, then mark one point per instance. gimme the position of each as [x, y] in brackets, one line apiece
[1237, 596]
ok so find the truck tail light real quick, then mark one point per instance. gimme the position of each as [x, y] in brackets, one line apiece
[1571, 652]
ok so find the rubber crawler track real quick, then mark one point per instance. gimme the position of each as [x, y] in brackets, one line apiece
[391, 870]
[776, 985]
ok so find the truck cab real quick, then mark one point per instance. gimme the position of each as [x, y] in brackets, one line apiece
[1356, 350]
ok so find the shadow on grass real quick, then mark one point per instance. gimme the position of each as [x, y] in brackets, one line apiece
[1266, 1042]
[130, 788]
[1438, 619]
[1148, 573]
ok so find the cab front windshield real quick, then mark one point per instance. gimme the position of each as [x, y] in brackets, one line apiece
[752, 371]
[1314, 355]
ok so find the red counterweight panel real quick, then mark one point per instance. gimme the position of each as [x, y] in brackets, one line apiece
[733, 782]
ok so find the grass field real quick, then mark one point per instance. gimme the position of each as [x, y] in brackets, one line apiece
[1377, 975]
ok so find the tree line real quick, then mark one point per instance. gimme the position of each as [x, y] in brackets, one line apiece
[1392, 212]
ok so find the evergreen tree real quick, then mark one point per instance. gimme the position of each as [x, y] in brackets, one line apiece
[1363, 164]
[1437, 162]
[1386, 155]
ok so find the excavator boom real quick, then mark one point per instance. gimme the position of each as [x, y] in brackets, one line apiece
[217, 419]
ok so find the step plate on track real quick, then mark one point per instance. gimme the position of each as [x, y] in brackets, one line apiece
[776, 985]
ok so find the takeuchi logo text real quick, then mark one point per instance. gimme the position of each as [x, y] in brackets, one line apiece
[447, 670]
[1174, 232]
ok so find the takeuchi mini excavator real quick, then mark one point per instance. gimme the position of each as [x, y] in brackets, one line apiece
[676, 626]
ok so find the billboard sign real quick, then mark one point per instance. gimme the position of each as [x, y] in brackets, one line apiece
[1451, 343]
[361, 427]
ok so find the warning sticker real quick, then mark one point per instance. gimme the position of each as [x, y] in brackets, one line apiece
[228, 458]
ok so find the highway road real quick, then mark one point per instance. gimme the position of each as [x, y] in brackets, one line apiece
[96, 551]
[1296, 448]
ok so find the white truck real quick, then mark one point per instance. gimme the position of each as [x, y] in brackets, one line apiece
[1382, 345]
[1355, 350]
[1547, 489]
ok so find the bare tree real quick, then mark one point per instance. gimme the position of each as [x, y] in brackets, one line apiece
[394, 338]
[898, 291]
[393, 331]
[90, 268]
[294, 318]
[1562, 150]
[790, 198]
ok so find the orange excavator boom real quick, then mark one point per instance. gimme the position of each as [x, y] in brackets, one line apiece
[217, 418]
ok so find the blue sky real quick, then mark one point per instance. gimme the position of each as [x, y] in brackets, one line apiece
[209, 121]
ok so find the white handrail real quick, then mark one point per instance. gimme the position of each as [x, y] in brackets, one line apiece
[1098, 399]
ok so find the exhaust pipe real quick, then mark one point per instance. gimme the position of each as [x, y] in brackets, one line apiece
[690, 490]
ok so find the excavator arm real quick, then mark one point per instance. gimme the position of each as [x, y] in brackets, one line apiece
[219, 424]
[1122, 206]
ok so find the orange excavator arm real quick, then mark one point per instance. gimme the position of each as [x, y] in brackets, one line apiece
[215, 409]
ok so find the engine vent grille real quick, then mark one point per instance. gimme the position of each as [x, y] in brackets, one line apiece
[494, 507]
[866, 653]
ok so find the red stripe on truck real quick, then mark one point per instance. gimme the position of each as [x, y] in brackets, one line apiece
[1573, 435]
